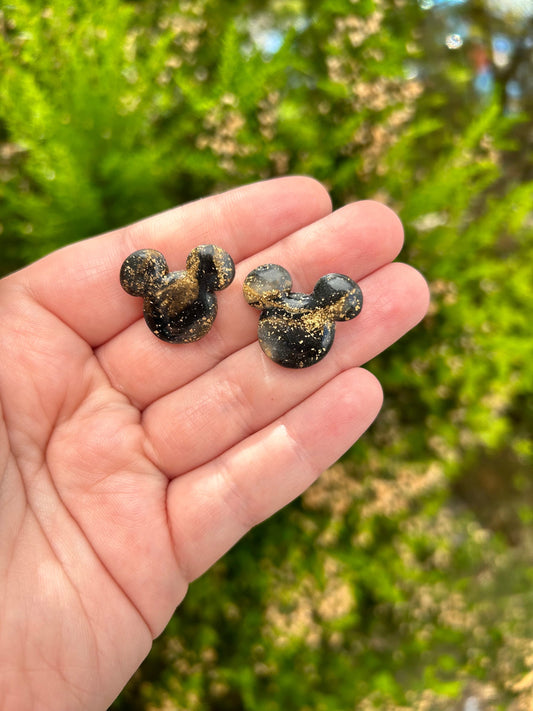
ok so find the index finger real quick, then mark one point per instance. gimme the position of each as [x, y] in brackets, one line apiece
[80, 283]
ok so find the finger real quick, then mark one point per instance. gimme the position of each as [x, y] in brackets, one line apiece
[80, 283]
[247, 391]
[356, 240]
[221, 501]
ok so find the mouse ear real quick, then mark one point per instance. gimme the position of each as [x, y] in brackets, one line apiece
[142, 271]
[266, 285]
[339, 295]
[212, 267]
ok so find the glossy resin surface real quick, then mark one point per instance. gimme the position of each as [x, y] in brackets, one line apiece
[297, 330]
[180, 306]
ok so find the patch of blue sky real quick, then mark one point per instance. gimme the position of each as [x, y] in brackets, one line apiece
[270, 41]
[429, 4]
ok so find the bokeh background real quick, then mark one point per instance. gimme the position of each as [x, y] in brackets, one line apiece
[403, 578]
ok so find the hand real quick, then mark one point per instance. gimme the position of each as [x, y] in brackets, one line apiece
[129, 465]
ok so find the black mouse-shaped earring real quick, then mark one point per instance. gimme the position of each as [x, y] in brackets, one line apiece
[179, 307]
[297, 330]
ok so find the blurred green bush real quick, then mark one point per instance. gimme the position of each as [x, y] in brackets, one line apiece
[403, 578]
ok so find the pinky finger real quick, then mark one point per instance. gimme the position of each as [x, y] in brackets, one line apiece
[212, 507]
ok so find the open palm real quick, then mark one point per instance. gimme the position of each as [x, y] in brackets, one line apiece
[129, 465]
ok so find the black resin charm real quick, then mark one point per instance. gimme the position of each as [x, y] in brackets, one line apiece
[179, 307]
[297, 330]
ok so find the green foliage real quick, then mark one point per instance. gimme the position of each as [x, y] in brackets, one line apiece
[67, 95]
[402, 579]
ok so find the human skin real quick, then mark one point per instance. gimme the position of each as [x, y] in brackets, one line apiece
[128, 466]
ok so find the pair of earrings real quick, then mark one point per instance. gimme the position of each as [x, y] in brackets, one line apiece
[295, 330]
